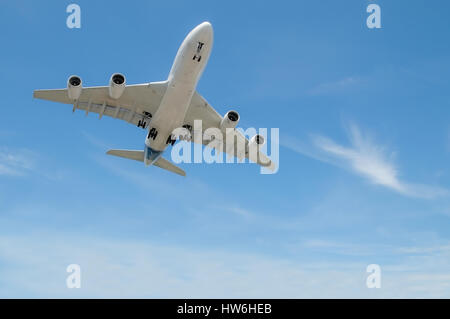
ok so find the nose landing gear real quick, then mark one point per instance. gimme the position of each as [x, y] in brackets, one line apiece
[197, 56]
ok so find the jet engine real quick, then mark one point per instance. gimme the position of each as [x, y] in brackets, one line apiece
[74, 87]
[256, 141]
[230, 120]
[117, 85]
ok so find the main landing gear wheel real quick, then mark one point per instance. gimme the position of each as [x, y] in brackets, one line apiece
[170, 140]
[152, 133]
[142, 124]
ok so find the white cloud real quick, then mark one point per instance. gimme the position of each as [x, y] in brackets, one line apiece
[366, 159]
[22, 162]
[15, 163]
[337, 86]
[134, 269]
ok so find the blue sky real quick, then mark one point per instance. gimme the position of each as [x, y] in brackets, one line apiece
[363, 175]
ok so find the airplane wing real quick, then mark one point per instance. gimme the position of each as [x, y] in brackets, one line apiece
[136, 105]
[200, 109]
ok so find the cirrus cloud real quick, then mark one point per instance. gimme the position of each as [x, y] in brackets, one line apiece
[367, 159]
[15, 162]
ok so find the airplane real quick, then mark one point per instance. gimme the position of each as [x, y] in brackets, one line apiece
[161, 107]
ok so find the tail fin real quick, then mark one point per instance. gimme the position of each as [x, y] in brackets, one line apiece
[139, 156]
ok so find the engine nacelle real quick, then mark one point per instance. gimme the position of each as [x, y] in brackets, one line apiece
[230, 120]
[117, 85]
[74, 87]
[256, 141]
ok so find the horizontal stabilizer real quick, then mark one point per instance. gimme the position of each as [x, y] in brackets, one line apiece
[165, 164]
[134, 155]
[139, 156]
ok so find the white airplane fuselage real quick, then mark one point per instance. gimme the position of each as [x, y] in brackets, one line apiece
[187, 68]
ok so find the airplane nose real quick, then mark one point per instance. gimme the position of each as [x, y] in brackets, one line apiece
[205, 28]
[206, 25]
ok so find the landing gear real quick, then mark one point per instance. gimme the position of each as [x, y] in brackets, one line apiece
[142, 124]
[170, 140]
[197, 56]
[187, 133]
[152, 133]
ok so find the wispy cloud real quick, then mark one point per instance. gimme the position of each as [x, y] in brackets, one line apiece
[336, 86]
[125, 268]
[15, 162]
[367, 159]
